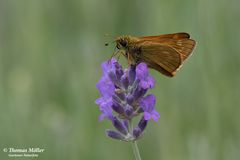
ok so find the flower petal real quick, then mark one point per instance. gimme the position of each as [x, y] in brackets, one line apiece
[147, 116]
[155, 115]
[141, 71]
[142, 74]
[108, 65]
[147, 103]
[106, 112]
[151, 81]
[105, 86]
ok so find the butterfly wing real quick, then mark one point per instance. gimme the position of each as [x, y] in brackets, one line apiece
[181, 35]
[181, 42]
[162, 58]
[183, 46]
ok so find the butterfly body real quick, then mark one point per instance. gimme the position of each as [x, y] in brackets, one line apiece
[164, 53]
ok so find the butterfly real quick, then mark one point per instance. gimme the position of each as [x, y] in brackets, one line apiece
[164, 53]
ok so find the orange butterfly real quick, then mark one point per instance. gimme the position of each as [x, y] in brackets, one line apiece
[164, 53]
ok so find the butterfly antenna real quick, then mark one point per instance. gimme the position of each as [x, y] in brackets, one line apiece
[106, 44]
[108, 36]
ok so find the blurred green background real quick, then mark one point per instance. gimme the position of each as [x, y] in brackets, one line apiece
[50, 56]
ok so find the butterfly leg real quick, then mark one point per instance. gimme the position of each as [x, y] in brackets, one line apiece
[113, 55]
[128, 57]
[118, 57]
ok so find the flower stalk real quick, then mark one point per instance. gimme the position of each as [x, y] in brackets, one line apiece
[134, 145]
[136, 151]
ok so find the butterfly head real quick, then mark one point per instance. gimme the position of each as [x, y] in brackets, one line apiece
[122, 42]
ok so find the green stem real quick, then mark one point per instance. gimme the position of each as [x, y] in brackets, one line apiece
[134, 144]
[136, 151]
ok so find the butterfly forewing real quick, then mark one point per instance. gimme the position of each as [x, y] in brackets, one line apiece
[171, 36]
[183, 46]
[179, 41]
[162, 58]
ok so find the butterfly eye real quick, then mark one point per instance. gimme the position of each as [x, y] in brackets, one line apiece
[124, 43]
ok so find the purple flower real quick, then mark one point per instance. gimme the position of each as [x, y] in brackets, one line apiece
[142, 74]
[147, 103]
[105, 87]
[106, 112]
[108, 66]
[122, 98]
[114, 134]
[138, 130]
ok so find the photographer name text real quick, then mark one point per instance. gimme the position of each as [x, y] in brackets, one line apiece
[25, 150]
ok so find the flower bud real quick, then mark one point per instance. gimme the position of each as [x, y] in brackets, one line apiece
[114, 134]
[119, 126]
[132, 74]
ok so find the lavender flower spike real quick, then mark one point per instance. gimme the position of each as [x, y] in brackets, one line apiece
[123, 98]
